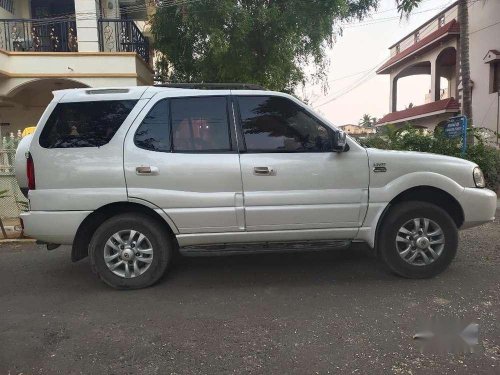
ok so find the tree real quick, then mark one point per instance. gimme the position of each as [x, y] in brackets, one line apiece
[367, 121]
[267, 42]
[463, 20]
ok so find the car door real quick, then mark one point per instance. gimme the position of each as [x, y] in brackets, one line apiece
[291, 178]
[180, 155]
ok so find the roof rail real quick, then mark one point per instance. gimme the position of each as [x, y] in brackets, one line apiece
[213, 86]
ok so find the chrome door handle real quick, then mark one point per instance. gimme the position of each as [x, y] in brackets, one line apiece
[264, 171]
[147, 171]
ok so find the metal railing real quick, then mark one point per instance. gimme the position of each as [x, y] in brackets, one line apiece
[117, 35]
[38, 35]
[13, 201]
[8, 5]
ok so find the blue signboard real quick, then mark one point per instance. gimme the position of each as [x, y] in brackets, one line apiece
[457, 127]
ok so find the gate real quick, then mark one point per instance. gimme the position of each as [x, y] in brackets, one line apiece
[12, 201]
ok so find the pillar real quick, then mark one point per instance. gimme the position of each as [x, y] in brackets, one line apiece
[87, 14]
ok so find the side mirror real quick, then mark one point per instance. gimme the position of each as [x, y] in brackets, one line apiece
[339, 141]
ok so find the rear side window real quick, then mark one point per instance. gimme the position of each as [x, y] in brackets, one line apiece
[276, 124]
[154, 132]
[84, 124]
[200, 124]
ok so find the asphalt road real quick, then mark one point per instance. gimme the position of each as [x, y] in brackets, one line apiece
[324, 312]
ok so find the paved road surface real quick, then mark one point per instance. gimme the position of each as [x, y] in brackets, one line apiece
[328, 312]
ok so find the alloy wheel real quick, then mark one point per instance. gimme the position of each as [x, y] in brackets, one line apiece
[128, 253]
[420, 241]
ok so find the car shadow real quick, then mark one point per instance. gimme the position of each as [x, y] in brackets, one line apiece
[353, 265]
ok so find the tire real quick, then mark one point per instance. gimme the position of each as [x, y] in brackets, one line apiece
[147, 266]
[390, 245]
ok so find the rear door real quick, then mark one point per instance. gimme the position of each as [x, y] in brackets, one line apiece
[291, 178]
[181, 155]
[77, 148]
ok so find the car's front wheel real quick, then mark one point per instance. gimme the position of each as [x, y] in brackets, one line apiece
[417, 239]
[130, 251]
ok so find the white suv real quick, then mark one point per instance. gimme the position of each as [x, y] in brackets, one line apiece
[131, 176]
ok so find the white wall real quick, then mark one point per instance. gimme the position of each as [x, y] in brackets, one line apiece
[483, 14]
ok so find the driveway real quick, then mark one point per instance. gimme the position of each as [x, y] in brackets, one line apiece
[325, 312]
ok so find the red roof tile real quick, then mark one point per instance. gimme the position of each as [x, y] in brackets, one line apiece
[450, 28]
[440, 105]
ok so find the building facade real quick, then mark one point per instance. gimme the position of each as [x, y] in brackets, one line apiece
[48, 45]
[357, 130]
[433, 50]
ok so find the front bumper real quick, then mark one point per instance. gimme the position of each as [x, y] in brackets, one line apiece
[479, 206]
[58, 227]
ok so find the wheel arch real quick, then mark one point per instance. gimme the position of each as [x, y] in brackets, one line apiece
[96, 218]
[429, 194]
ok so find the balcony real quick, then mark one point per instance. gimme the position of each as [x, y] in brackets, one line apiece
[37, 35]
[122, 36]
[45, 35]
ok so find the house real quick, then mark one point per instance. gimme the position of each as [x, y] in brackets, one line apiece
[432, 50]
[48, 45]
[358, 130]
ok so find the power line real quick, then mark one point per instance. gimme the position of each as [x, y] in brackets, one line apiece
[388, 19]
[483, 28]
[348, 76]
[372, 73]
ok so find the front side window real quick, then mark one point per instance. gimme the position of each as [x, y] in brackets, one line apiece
[154, 132]
[84, 124]
[276, 124]
[200, 124]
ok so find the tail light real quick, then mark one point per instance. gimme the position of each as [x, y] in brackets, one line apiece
[30, 172]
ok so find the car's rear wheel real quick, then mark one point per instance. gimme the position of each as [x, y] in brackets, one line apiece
[417, 239]
[130, 251]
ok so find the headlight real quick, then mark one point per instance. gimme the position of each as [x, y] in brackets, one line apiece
[479, 177]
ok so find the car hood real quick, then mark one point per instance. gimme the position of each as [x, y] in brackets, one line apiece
[399, 163]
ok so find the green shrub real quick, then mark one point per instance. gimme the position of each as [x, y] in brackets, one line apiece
[414, 139]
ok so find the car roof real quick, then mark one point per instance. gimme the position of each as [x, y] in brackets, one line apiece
[147, 92]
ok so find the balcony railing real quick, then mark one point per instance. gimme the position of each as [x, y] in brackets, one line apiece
[122, 36]
[39, 35]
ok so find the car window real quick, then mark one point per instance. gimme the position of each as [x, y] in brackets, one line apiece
[84, 124]
[200, 124]
[154, 132]
[275, 124]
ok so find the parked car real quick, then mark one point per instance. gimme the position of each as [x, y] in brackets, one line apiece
[131, 176]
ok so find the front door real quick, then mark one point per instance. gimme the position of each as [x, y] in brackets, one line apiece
[291, 178]
[180, 155]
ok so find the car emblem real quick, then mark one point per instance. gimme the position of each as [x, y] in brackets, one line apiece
[379, 167]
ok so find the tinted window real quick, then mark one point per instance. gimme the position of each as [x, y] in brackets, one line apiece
[154, 132]
[274, 124]
[200, 124]
[84, 124]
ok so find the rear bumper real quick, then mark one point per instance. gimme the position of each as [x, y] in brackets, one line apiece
[58, 227]
[479, 206]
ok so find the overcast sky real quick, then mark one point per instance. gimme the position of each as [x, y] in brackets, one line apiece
[362, 47]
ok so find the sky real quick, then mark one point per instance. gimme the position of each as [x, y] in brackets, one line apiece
[362, 47]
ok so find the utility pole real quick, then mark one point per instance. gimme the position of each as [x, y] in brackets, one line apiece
[498, 117]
